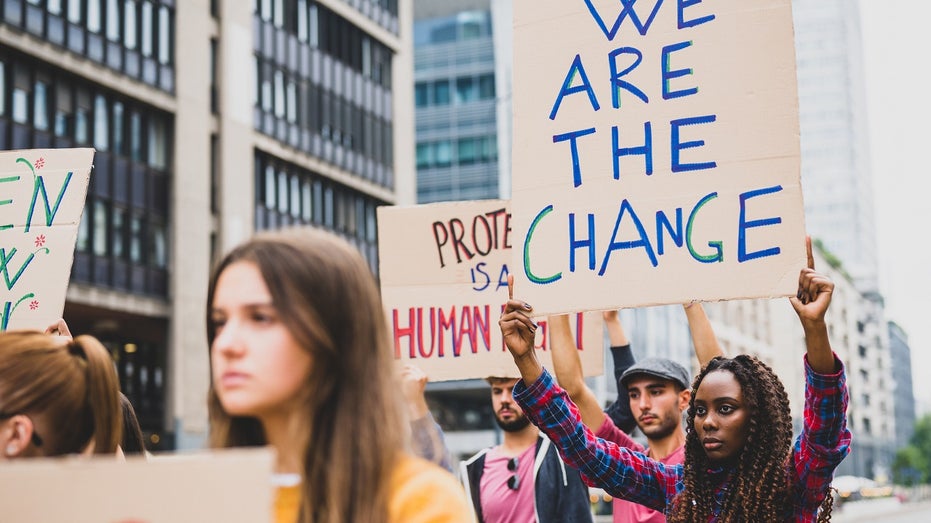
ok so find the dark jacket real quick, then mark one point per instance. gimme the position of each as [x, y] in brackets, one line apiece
[558, 491]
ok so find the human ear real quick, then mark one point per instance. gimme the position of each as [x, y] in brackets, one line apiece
[16, 436]
[684, 398]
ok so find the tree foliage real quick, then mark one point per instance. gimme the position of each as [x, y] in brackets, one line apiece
[912, 464]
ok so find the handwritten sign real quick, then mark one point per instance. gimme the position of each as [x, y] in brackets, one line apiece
[443, 270]
[231, 485]
[656, 152]
[42, 195]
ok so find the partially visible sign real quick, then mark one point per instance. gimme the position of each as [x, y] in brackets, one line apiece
[42, 195]
[233, 486]
[443, 271]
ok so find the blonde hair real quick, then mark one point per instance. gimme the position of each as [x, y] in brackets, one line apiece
[71, 388]
[329, 301]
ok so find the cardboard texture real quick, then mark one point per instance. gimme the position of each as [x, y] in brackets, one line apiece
[656, 153]
[231, 486]
[443, 271]
[42, 195]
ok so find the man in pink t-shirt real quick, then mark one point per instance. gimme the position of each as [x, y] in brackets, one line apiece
[651, 394]
[522, 480]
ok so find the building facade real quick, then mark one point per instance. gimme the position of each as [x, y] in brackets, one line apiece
[836, 174]
[211, 119]
[456, 101]
[904, 396]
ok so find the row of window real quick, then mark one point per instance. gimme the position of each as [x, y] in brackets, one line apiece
[287, 195]
[60, 106]
[332, 35]
[291, 103]
[134, 37]
[464, 151]
[461, 90]
[123, 235]
[296, 16]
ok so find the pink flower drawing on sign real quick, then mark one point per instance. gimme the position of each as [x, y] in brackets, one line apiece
[40, 163]
[40, 240]
[34, 304]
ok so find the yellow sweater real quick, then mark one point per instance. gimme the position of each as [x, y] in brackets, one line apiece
[421, 492]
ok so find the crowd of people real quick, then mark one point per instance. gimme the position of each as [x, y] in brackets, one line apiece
[300, 360]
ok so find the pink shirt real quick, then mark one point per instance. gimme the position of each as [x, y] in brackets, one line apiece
[500, 503]
[625, 511]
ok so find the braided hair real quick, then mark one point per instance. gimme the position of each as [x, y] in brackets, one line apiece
[758, 488]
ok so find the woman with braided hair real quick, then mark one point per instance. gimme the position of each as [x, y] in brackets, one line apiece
[739, 462]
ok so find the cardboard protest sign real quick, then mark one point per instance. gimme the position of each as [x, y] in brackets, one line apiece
[232, 486]
[42, 195]
[656, 152]
[443, 271]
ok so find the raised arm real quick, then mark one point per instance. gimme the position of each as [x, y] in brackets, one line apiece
[619, 411]
[568, 367]
[703, 338]
[811, 303]
[427, 437]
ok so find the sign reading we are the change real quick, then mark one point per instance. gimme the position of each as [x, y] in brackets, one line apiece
[42, 195]
[656, 152]
[443, 270]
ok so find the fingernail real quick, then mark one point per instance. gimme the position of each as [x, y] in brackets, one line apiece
[527, 306]
[799, 295]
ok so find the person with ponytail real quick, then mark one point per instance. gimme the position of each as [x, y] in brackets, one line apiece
[301, 360]
[58, 396]
[740, 465]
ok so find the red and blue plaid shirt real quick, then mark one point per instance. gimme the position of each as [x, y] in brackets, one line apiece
[624, 473]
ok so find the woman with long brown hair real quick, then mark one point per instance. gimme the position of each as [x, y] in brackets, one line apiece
[301, 361]
[57, 396]
[739, 464]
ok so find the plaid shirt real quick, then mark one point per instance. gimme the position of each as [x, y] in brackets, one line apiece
[624, 473]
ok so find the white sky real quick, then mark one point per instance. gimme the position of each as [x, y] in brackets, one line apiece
[899, 104]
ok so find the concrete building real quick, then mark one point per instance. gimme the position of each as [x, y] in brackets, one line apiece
[836, 175]
[211, 119]
[904, 396]
[456, 59]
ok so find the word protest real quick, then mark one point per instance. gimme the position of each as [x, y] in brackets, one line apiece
[158, 489]
[656, 152]
[42, 195]
[443, 270]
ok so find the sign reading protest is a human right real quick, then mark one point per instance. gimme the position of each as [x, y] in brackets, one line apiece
[443, 269]
[656, 152]
[42, 195]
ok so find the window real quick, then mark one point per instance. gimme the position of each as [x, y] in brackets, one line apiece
[113, 20]
[93, 16]
[306, 197]
[486, 87]
[117, 127]
[74, 11]
[467, 151]
[466, 90]
[135, 240]
[159, 248]
[269, 187]
[444, 153]
[100, 228]
[119, 233]
[101, 134]
[164, 36]
[158, 144]
[53, 6]
[64, 112]
[135, 136]
[129, 24]
[2, 89]
[282, 192]
[424, 155]
[40, 116]
[82, 117]
[441, 92]
[83, 241]
[21, 87]
[147, 22]
[302, 20]
[420, 94]
[295, 193]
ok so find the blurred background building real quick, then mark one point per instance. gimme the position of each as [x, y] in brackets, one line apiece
[211, 119]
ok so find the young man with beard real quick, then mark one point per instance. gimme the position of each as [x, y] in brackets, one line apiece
[652, 395]
[522, 480]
